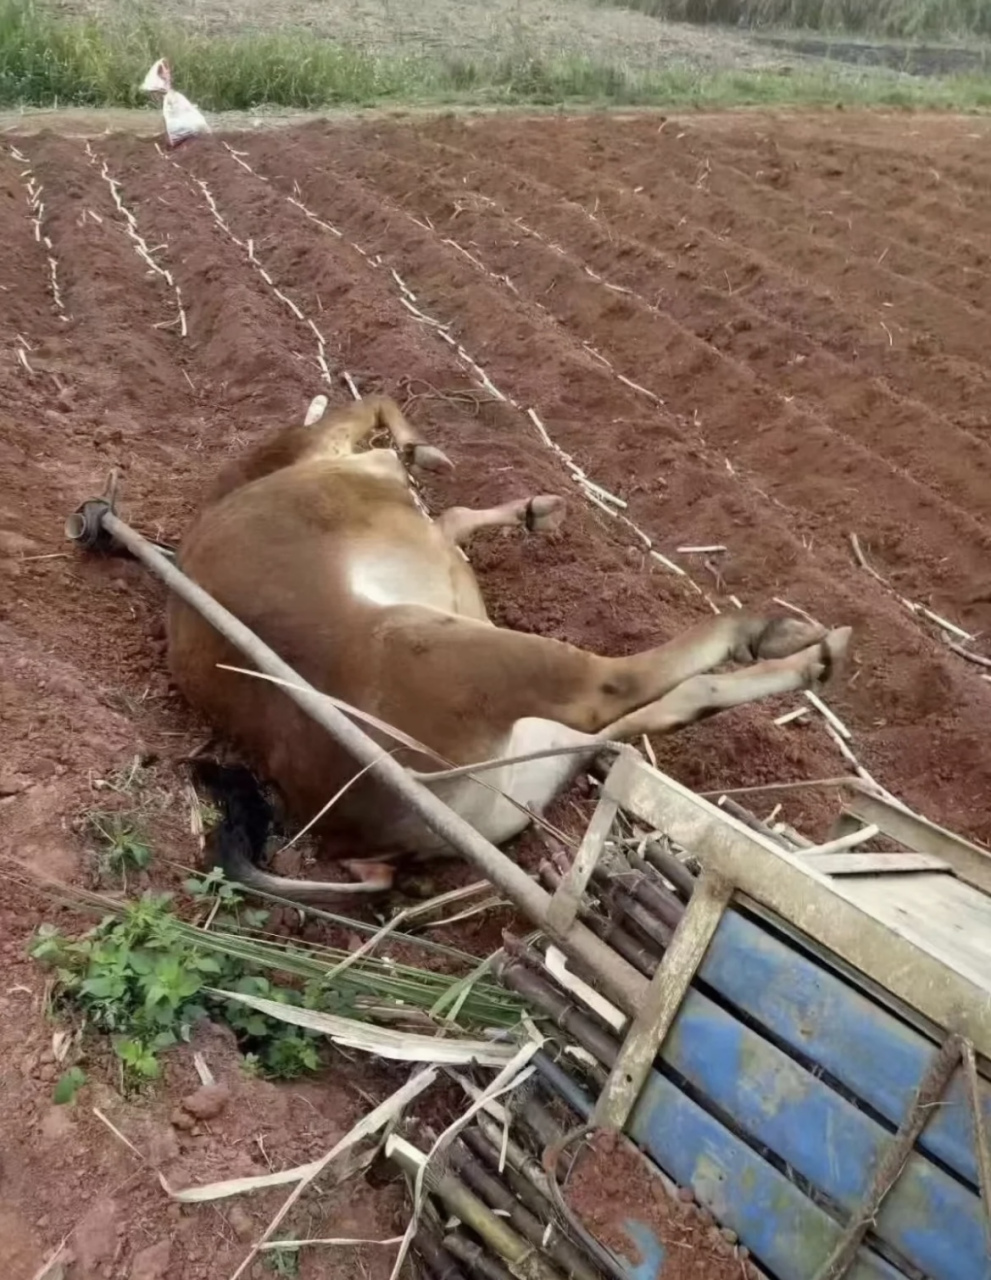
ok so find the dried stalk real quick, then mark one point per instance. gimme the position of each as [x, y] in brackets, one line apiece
[609, 930]
[473, 1212]
[943, 623]
[539, 1121]
[512, 1154]
[475, 1258]
[828, 715]
[794, 608]
[561, 1252]
[977, 658]
[755, 824]
[641, 917]
[524, 1174]
[574, 1057]
[442, 1265]
[520, 977]
[660, 901]
[670, 867]
[863, 562]
[842, 843]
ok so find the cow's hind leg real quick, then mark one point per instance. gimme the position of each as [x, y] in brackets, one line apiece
[329, 433]
[705, 695]
[343, 429]
[483, 678]
[538, 515]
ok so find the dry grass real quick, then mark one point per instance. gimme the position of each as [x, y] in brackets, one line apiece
[482, 52]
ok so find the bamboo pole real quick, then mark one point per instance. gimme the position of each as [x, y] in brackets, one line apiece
[523, 1257]
[488, 1187]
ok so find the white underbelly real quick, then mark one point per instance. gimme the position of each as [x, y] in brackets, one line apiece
[532, 784]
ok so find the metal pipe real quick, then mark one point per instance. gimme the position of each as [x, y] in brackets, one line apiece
[620, 981]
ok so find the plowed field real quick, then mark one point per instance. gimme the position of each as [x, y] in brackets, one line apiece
[761, 333]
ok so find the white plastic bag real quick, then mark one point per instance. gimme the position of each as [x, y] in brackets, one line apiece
[182, 119]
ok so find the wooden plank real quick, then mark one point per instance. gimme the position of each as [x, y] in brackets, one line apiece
[790, 1234]
[980, 1135]
[970, 862]
[862, 864]
[671, 980]
[943, 986]
[933, 1220]
[861, 1045]
[953, 917]
[567, 896]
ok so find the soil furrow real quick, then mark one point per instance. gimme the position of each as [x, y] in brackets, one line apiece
[816, 289]
[727, 397]
[789, 421]
[860, 408]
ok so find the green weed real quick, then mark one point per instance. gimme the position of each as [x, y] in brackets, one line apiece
[138, 978]
[283, 1262]
[68, 1085]
[123, 847]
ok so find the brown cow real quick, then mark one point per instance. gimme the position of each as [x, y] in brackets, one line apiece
[323, 552]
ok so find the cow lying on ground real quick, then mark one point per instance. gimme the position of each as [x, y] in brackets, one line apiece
[321, 550]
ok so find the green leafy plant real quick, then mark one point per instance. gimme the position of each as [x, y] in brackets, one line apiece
[283, 1262]
[226, 909]
[68, 1085]
[145, 976]
[123, 848]
[140, 978]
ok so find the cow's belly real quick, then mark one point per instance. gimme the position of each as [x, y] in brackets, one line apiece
[424, 569]
[533, 784]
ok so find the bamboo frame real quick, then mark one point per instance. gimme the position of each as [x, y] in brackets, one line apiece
[667, 990]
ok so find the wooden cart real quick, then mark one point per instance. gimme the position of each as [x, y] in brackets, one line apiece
[809, 1058]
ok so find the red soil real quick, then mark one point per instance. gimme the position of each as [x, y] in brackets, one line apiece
[612, 1184]
[806, 295]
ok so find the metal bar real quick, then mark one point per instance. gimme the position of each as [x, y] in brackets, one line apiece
[667, 990]
[970, 862]
[567, 897]
[620, 981]
[983, 1149]
[930, 1090]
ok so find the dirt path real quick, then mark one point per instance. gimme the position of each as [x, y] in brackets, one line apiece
[759, 332]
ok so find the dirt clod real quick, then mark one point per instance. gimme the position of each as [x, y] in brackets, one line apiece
[242, 1224]
[611, 1186]
[95, 1239]
[152, 1263]
[207, 1102]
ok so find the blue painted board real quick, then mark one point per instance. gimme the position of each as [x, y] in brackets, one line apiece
[933, 1220]
[789, 1234]
[871, 1052]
